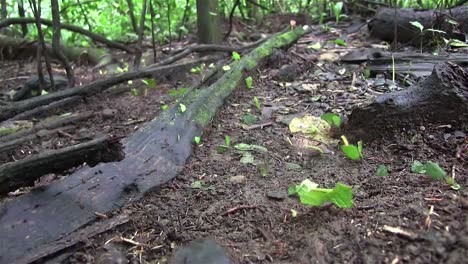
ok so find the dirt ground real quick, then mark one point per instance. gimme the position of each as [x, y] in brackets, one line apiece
[399, 218]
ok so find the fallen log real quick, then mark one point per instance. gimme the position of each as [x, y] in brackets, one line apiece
[51, 123]
[12, 144]
[442, 98]
[417, 64]
[15, 48]
[387, 20]
[153, 155]
[24, 172]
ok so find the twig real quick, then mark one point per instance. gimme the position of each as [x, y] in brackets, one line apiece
[308, 60]
[237, 208]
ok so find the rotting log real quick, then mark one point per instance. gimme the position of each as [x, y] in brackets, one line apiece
[14, 48]
[50, 123]
[15, 108]
[414, 63]
[384, 23]
[442, 98]
[12, 144]
[24, 172]
[153, 155]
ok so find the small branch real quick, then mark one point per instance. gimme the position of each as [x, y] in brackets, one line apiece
[237, 208]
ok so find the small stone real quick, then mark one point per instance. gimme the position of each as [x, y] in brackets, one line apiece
[108, 113]
[238, 179]
[277, 195]
[422, 128]
[431, 136]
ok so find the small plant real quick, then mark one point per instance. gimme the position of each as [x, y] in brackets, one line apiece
[310, 194]
[353, 152]
[332, 119]
[227, 144]
[337, 8]
[236, 56]
[197, 140]
[434, 171]
[257, 103]
[423, 31]
[249, 82]
[134, 92]
[151, 83]
[382, 171]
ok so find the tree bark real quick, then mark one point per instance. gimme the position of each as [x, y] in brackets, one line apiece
[209, 24]
[141, 30]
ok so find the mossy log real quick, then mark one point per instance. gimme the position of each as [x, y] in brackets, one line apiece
[442, 98]
[153, 155]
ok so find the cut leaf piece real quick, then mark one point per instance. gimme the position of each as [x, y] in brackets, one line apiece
[247, 147]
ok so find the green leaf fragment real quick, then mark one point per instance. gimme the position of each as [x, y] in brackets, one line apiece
[351, 151]
[236, 56]
[382, 171]
[332, 119]
[418, 167]
[247, 147]
[434, 171]
[309, 194]
[249, 82]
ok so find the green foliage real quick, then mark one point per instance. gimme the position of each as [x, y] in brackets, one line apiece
[197, 140]
[337, 7]
[352, 152]
[310, 194]
[382, 171]
[111, 19]
[332, 119]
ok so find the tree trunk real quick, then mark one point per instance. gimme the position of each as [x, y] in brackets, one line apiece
[56, 43]
[131, 11]
[209, 24]
[21, 13]
[4, 13]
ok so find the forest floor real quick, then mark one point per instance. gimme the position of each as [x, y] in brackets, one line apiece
[400, 218]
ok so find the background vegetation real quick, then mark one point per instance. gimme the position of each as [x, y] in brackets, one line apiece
[176, 18]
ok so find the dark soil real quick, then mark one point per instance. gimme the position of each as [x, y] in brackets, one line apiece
[400, 218]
